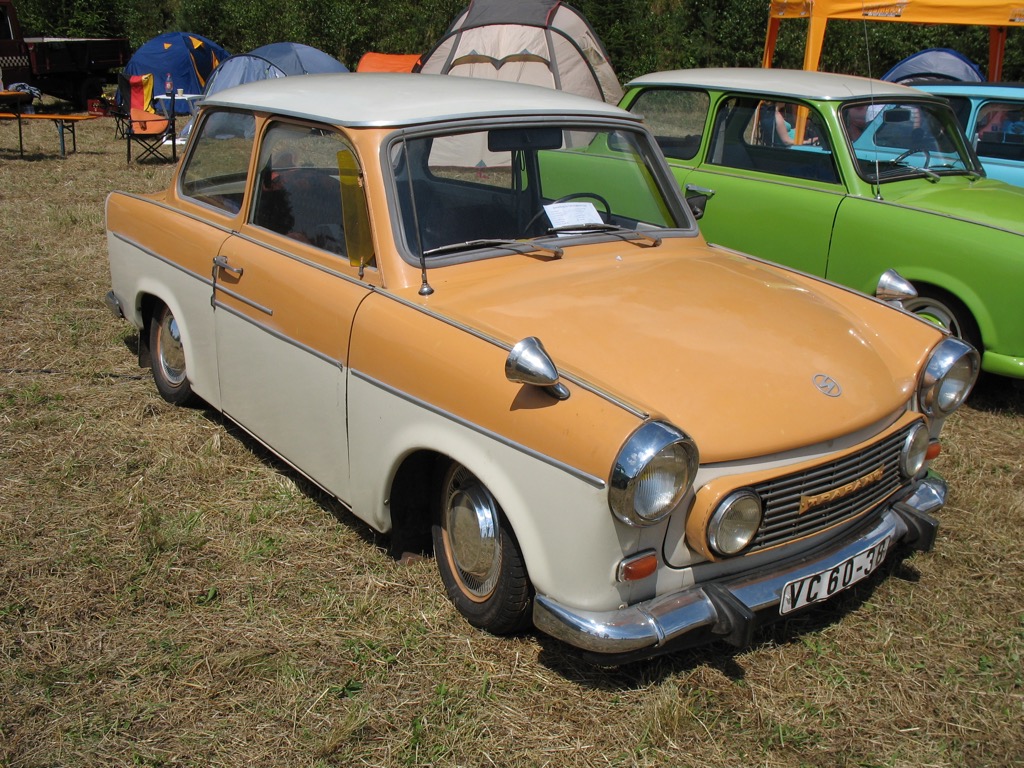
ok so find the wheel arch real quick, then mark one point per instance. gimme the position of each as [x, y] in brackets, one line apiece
[924, 279]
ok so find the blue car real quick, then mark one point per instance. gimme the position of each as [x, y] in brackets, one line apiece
[992, 115]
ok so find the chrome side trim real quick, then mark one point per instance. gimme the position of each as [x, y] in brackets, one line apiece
[280, 336]
[712, 606]
[631, 409]
[159, 204]
[586, 477]
[243, 299]
[149, 252]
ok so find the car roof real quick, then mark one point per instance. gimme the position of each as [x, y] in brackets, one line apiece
[797, 83]
[989, 90]
[389, 100]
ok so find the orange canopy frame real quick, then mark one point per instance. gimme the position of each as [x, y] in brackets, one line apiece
[995, 15]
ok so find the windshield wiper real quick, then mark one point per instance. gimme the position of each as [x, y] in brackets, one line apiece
[624, 233]
[929, 174]
[519, 246]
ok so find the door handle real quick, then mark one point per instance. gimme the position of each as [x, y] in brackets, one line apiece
[221, 262]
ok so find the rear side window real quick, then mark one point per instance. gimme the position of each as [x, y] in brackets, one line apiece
[216, 171]
[676, 117]
[298, 193]
[999, 131]
[778, 137]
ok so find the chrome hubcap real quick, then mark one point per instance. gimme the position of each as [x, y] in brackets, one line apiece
[471, 528]
[170, 351]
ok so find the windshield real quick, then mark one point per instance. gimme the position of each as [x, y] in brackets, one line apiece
[485, 192]
[893, 140]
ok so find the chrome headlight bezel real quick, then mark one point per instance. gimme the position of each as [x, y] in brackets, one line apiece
[948, 377]
[730, 512]
[635, 496]
[914, 452]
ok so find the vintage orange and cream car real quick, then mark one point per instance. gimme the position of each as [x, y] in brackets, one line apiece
[483, 312]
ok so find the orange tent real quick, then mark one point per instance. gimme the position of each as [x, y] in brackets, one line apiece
[997, 15]
[387, 62]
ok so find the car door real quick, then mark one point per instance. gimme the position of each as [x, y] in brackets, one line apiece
[775, 196]
[771, 195]
[285, 297]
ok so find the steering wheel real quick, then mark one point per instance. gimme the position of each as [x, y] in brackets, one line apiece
[913, 151]
[568, 198]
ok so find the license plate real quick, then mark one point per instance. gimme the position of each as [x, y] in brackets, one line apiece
[822, 585]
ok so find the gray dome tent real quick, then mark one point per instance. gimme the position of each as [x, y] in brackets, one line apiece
[268, 61]
[265, 63]
[541, 42]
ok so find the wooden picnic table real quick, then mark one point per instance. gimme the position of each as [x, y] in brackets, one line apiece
[65, 123]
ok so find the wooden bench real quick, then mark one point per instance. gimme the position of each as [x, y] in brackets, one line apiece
[65, 127]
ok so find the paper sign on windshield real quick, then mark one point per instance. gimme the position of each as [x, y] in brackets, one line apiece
[572, 214]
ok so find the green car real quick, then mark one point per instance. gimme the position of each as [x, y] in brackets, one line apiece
[847, 177]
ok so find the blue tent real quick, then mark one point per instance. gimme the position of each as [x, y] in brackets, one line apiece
[269, 61]
[190, 59]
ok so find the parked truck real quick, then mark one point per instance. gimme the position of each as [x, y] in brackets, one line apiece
[69, 68]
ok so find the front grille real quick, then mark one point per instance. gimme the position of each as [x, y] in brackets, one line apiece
[799, 505]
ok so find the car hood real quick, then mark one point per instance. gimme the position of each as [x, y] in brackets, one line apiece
[986, 201]
[725, 347]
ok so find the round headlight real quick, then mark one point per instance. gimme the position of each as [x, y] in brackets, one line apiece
[733, 525]
[915, 449]
[652, 472]
[948, 376]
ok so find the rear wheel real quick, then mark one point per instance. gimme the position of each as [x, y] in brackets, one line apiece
[167, 357]
[946, 311]
[478, 557]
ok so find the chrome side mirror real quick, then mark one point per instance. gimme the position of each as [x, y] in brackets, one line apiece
[894, 289]
[529, 363]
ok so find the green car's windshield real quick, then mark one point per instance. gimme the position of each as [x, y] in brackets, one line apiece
[519, 188]
[897, 140]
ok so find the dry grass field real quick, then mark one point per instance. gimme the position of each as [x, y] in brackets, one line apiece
[171, 595]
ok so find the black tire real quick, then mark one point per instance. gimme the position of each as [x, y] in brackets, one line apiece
[478, 557]
[946, 311]
[167, 358]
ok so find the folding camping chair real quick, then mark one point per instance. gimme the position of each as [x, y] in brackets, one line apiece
[139, 122]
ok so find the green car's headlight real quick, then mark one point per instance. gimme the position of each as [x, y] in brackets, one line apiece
[948, 377]
[652, 472]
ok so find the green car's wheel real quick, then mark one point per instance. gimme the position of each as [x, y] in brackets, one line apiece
[167, 354]
[946, 311]
[477, 556]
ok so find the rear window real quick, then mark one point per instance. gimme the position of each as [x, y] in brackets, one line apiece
[676, 117]
[217, 168]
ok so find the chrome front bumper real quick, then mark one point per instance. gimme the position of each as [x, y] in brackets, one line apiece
[727, 609]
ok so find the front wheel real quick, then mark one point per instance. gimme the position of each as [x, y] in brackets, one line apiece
[478, 557]
[167, 356]
[946, 311]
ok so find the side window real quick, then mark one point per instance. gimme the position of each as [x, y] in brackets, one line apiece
[676, 117]
[298, 191]
[1000, 131]
[779, 137]
[217, 169]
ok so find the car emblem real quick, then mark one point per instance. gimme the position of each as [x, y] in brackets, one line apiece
[827, 385]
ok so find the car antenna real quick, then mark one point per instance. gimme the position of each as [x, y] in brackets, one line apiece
[425, 289]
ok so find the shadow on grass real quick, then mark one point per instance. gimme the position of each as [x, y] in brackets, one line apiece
[573, 665]
[998, 394]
